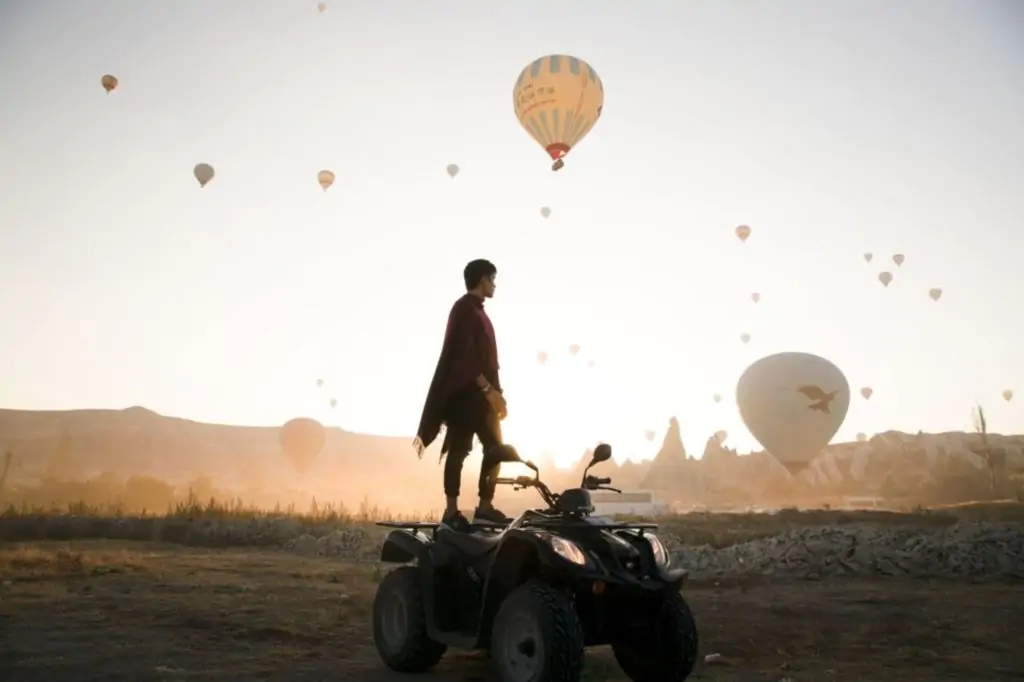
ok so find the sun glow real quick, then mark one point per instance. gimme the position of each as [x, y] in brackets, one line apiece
[562, 408]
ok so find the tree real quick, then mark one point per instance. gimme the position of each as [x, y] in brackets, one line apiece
[985, 451]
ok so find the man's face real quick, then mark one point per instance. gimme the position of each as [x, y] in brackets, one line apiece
[489, 286]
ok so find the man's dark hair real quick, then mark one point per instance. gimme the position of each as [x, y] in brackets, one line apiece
[476, 270]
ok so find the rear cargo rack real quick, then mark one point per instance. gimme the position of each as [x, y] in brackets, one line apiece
[433, 526]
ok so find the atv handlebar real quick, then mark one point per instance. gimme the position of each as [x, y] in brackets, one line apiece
[521, 481]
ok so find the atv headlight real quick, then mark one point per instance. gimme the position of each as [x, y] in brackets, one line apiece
[661, 556]
[567, 549]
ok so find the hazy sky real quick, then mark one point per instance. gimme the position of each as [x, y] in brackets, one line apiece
[831, 128]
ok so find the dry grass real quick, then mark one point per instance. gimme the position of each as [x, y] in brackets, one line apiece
[193, 507]
[33, 563]
[192, 522]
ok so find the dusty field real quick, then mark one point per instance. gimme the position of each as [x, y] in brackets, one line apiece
[122, 610]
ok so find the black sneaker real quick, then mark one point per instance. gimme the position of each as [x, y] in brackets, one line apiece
[490, 515]
[456, 521]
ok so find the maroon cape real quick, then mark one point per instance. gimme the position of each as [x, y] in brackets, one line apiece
[469, 350]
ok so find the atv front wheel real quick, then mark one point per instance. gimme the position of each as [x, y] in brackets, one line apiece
[537, 636]
[663, 648]
[400, 624]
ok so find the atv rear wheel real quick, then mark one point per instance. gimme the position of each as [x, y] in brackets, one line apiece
[537, 636]
[663, 648]
[400, 624]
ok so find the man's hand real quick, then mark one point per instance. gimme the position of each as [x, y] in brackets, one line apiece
[498, 404]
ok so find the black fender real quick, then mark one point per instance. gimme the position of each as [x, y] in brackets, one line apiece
[402, 546]
[521, 555]
[671, 577]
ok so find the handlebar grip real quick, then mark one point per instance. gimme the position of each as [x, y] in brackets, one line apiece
[604, 481]
[505, 481]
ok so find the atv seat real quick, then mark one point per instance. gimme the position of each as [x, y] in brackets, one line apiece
[471, 544]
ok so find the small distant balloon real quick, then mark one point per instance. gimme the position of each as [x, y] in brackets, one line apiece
[649, 435]
[545, 211]
[1007, 395]
[109, 83]
[334, 402]
[935, 293]
[867, 392]
[868, 256]
[755, 297]
[721, 435]
[885, 278]
[319, 383]
[325, 178]
[574, 348]
[204, 173]
[558, 99]
[793, 404]
[745, 338]
[542, 357]
[453, 170]
[302, 439]
[321, 7]
[862, 437]
[717, 397]
[898, 259]
[590, 364]
[743, 232]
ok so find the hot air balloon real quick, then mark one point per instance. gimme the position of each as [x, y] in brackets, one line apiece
[743, 232]
[717, 397]
[322, 7]
[897, 258]
[721, 435]
[885, 278]
[545, 211]
[649, 435]
[319, 383]
[1007, 395]
[109, 83]
[862, 437]
[325, 178]
[745, 338]
[755, 297]
[935, 293]
[868, 257]
[334, 402]
[557, 100]
[867, 392]
[204, 173]
[590, 364]
[302, 439]
[574, 348]
[793, 403]
[453, 170]
[542, 357]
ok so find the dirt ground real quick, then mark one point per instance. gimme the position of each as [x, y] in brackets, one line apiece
[105, 610]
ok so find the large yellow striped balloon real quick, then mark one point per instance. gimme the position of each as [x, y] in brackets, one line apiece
[558, 99]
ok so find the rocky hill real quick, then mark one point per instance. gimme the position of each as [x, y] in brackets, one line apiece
[889, 467]
[79, 444]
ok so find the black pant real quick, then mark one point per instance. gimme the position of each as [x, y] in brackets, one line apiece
[471, 415]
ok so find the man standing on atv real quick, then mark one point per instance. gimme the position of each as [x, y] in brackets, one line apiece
[465, 395]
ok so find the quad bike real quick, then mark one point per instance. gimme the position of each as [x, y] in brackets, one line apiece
[536, 592]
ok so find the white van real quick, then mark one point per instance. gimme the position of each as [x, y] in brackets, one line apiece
[631, 502]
